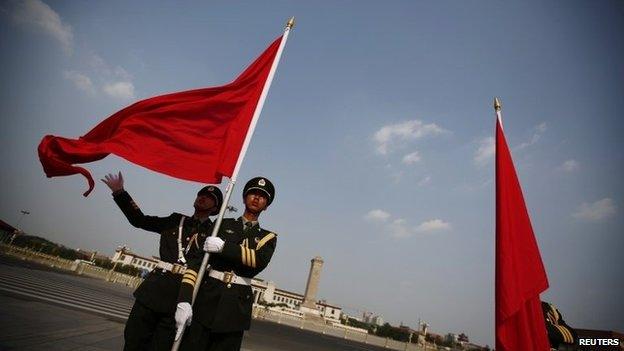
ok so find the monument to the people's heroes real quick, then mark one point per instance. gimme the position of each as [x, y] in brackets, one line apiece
[309, 299]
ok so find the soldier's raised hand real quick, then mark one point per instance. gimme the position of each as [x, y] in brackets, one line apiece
[114, 182]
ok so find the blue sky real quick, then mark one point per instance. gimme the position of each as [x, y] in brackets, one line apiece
[377, 133]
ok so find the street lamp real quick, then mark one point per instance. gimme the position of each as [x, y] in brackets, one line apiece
[17, 229]
[24, 212]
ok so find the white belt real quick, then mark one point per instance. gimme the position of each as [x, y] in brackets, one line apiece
[171, 267]
[229, 277]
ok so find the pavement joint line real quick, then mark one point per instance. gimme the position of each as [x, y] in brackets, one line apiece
[35, 278]
[42, 335]
[117, 300]
[70, 333]
[64, 278]
[59, 297]
[108, 314]
[73, 292]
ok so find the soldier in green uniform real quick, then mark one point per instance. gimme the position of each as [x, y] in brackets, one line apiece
[241, 250]
[151, 324]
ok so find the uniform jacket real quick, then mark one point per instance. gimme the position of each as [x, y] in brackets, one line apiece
[218, 307]
[558, 331]
[159, 290]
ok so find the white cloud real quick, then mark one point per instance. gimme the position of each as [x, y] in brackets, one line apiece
[538, 131]
[39, 15]
[570, 166]
[119, 82]
[433, 225]
[388, 136]
[121, 90]
[424, 181]
[596, 211]
[99, 65]
[377, 215]
[411, 158]
[81, 81]
[485, 151]
[399, 229]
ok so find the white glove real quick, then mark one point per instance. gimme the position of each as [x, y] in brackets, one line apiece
[214, 244]
[183, 317]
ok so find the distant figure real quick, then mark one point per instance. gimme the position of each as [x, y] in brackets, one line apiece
[151, 324]
[222, 309]
[559, 333]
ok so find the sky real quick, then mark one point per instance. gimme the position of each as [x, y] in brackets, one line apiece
[377, 133]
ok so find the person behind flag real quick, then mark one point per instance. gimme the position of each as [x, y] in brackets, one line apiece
[242, 249]
[151, 324]
[559, 332]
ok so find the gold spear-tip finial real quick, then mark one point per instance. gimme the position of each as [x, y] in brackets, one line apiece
[291, 23]
[497, 104]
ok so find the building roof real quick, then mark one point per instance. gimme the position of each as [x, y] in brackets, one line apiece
[6, 227]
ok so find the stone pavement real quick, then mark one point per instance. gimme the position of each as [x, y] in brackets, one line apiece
[31, 325]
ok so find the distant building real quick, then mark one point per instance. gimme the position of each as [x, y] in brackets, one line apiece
[89, 255]
[266, 293]
[377, 320]
[450, 337]
[123, 255]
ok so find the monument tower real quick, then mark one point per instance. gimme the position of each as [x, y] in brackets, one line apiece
[309, 299]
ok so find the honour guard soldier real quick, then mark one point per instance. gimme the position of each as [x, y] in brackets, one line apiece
[559, 333]
[241, 250]
[151, 324]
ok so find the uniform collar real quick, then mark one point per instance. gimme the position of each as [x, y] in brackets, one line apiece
[245, 220]
[207, 220]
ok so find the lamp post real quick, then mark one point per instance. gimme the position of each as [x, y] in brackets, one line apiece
[17, 229]
[24, 212]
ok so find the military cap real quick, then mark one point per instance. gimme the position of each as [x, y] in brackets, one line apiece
[215, 193]
[262, 184]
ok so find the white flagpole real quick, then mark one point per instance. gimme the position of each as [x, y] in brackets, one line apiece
[497, 108]
[241, 156]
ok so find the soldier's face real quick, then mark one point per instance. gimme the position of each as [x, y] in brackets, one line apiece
[256, 201]
[204, 202]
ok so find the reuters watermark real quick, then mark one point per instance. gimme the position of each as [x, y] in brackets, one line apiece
[599, 344]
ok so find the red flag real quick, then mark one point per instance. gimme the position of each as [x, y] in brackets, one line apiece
[520, 274]
[194, 135]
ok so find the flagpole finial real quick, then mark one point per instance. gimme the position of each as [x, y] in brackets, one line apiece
[291, 23]
[497, 104]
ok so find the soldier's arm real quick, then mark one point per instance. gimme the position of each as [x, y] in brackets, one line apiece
[136, 217]
[569, 334]
[252, 259]
[189, 279]
[558, 331]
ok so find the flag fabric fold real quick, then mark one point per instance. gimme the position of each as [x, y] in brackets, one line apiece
[194, 135]
[520, 273]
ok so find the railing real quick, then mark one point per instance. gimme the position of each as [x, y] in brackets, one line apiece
[78, 267]
[340, 331]
[290, 319]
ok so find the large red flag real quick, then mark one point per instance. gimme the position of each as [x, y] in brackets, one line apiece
[194, 135]
[520, 274]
